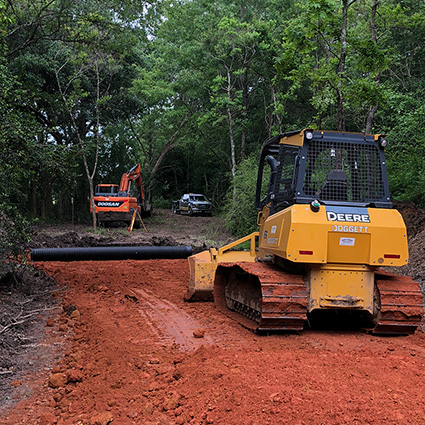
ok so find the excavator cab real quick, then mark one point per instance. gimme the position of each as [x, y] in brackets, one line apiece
[106, 190]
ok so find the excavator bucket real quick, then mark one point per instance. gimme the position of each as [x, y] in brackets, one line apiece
[203, 266]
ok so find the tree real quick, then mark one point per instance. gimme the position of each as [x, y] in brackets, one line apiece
[73, 63]
[235, 47]
[241, 216]
[71, 96]
[334, 48]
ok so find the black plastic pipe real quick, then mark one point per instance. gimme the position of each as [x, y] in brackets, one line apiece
[111, 253]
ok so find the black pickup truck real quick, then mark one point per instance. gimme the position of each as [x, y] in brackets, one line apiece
[193, 204]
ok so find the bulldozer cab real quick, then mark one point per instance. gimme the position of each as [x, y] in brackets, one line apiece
[333, 168]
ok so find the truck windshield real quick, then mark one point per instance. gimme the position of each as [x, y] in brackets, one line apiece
[198, 198]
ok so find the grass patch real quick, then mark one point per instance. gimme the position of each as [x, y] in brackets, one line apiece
[216, 232]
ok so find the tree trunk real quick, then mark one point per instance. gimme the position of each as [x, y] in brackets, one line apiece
[91, 189]
[170, 145]
[275, 115]
[46, 198]
[370, 117]
[230, 125]
[33, 198]
[341, 67]
[245, 95]
[374, 108]
[78, 131]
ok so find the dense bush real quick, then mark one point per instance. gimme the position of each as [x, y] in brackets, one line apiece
[239, 209]
[14, 232]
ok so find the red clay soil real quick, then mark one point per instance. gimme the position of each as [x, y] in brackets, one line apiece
[138, 354]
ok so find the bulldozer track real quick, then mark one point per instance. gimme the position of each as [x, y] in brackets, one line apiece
[265, 298]
[280, 300]
[169, 323]
[401, 304]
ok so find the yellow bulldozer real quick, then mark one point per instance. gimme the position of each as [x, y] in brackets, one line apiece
[327, 235]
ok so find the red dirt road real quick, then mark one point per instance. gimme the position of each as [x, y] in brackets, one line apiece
[132, 358]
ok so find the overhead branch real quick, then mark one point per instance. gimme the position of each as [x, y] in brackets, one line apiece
[168, 147]
[136, 135]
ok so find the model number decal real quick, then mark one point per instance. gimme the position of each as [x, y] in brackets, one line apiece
[347, 241]
[349, 229]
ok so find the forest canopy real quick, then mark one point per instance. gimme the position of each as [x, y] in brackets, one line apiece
[191, 89]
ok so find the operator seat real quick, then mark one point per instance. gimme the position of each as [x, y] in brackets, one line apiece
[335, 187]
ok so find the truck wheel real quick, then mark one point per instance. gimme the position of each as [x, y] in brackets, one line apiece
[190, 211]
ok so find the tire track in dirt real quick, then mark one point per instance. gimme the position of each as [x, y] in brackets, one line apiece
[170, 323]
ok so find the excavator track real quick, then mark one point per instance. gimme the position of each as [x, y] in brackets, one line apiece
[261, 297]
[401, 304]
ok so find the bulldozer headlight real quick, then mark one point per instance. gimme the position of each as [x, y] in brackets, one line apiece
[383, 142]
[309, 135]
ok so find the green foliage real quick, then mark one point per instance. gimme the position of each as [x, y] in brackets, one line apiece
[14, 231]
[190, 89]
[406, 151]
[160, 202]
[407, 178]
[239, 209]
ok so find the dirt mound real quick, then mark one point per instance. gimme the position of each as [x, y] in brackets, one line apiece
[73, 239]
[42, 239]
[163, 241]
[162, 229]
[416, 266]
[413, 217]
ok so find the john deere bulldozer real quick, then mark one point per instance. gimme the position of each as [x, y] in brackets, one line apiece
[327, 231]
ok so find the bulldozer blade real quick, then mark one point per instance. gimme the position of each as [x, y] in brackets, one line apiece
[202, 269]
[203, 266]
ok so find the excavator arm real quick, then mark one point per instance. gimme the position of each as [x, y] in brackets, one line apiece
[135, 174]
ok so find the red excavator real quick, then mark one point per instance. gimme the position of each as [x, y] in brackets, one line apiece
[115, 203]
